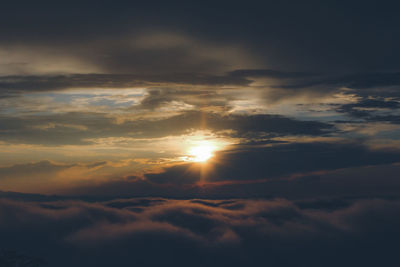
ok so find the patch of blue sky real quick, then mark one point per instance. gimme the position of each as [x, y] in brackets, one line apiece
[111, 103]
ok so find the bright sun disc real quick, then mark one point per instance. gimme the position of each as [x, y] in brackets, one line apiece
[201, 152]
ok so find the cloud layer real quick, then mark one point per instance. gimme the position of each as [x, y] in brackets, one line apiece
[198, 232]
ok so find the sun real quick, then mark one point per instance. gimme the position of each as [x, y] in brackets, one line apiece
[201, 152]
[201, 147]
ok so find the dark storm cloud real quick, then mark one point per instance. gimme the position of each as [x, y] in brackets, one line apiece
[78, 128]
[372, 84]
[242, 125]
[354, 81]
[370, 80]
[204, 232]
[286, 35]
[277, 161]
[383, 84]
[245, 125]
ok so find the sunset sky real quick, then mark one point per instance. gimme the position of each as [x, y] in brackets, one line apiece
[243, 133]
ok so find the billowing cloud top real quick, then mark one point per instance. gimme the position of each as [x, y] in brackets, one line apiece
[199, 232]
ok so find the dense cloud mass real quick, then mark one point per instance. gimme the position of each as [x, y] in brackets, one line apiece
[282, 160]
[202, 232]
[330, 35]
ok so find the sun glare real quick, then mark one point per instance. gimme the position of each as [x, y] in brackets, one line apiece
[201, 147]
[201, 152]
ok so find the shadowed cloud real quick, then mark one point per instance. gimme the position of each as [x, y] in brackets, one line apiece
[178, 231]
[277, 161]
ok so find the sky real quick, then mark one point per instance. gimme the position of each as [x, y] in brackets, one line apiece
[206, 133]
